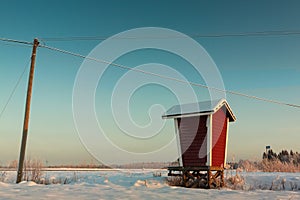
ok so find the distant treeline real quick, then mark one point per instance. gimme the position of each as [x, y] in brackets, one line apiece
[137, 165]
[284, 156]
[284, 161]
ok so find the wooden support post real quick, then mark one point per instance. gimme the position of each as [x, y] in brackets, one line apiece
[222, 179]
[184, 179]
[27, 112]
[208, 179]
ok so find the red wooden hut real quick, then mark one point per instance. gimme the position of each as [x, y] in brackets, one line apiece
[202, 133]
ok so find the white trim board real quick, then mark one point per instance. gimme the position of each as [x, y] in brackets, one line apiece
[178, 141]
[209, 140]
[226, 142]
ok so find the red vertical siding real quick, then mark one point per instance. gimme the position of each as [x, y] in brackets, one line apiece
[219, 131]
[192, 134]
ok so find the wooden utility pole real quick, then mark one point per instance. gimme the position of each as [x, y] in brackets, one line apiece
[27, 111]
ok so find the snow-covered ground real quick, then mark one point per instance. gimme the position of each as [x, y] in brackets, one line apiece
[141, 184]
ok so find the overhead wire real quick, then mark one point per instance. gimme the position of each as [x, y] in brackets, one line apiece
[151, 73]
[16, 41]
[20, 42]
[14, 90]
[198, 35]
[169, 78]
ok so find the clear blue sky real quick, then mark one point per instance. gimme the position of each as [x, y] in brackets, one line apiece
[267, 66]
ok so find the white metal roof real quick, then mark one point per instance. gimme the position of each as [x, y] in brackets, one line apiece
[200, 108]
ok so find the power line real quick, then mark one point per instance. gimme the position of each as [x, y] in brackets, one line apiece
[169, 78]
[20, 77]
[15, 41]
[220, 35]
[10, 44]
[14, 90]
[159, 75]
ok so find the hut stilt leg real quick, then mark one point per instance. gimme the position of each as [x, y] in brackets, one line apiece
[222, 179]
[208, 179]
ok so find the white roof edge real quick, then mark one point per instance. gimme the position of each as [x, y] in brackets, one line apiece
[220, 104]
[187, 115]
[224, 102]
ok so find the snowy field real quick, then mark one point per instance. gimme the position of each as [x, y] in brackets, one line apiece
[141, 184]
